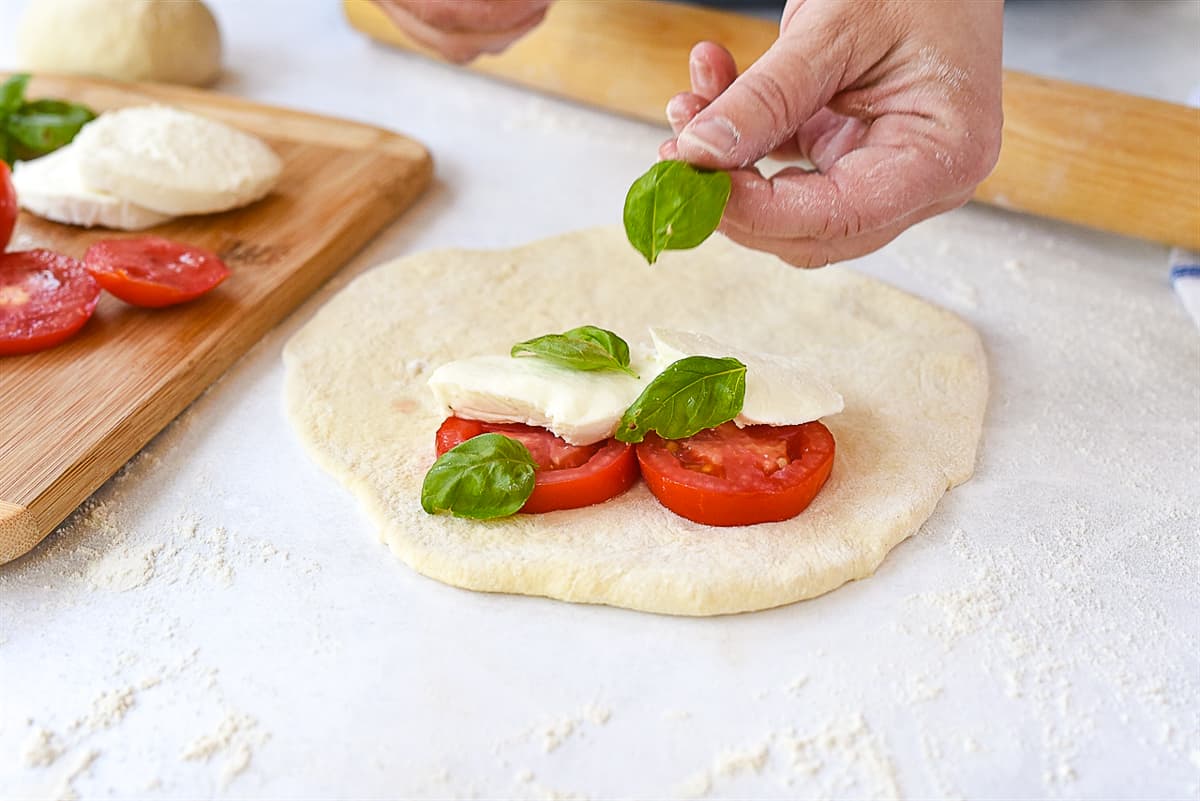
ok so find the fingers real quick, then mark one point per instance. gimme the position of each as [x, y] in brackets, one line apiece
[682, 107]
[476, 16]
[896, 167]
[810, 253]
[712, 70]
[767, 104]
[463, 39]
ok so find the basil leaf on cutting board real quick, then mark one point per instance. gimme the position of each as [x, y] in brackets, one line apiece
[33, 128]
[585, 348]
[674, 206]
[12, 93]
[487, 476]
[692, 394]
[43, 126]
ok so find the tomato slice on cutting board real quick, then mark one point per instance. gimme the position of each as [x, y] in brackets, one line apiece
[730, 476]
[45, 297]
[154, 272]
[8, 206]
[568, 476]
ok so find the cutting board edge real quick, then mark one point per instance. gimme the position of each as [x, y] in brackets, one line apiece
[165, 92]
[27, 520]
[19, 531]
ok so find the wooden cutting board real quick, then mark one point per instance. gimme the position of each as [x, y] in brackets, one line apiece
[1089, 156]
[72, 415]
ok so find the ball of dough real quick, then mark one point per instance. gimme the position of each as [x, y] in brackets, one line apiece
[130, 40]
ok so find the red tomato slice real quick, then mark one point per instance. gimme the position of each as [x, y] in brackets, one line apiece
[45, 297]
[730, 476]
[152, 271]
[568, 476]
[8, 206]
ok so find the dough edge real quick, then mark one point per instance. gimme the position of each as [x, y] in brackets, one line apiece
[560, 575]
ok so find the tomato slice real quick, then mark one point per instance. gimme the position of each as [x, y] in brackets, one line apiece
[152, 271]
[8, 206]
[568, 476]
[730, 476]
[45, 297]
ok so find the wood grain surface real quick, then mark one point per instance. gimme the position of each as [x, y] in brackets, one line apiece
[1075, 153]
[72, 415]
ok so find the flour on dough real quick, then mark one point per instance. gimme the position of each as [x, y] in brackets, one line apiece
[914, 379]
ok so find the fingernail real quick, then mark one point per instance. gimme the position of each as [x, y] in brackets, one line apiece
[676, 114]
[702, 75]
[715, 136]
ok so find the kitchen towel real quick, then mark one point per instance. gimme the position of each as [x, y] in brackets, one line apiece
[1185, 276]
[1185, 264]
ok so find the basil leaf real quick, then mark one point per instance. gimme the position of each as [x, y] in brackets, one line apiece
[584, 348]
[674, 206]
[692, 394]
[12, 93]
[485, 477]
[43, 126]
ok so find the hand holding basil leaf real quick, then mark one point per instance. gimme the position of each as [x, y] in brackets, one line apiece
[485, 477]
[692, 394]
[584, 348]
[674, 206]
[33, 128]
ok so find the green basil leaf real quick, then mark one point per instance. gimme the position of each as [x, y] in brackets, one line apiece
[674, 206]
[485, 477]
[43, 126]
[692, 394]
[12, 92]
[583, 348]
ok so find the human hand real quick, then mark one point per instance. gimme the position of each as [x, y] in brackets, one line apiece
[896, 103]
[460, 30]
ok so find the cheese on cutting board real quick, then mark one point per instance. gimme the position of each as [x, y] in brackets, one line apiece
[580, 406]
[780, 390]
[51, 187]
[173, 161]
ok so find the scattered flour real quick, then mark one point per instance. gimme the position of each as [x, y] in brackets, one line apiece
[125, 568]
[41, 748]
[235, 738]
[107, 710]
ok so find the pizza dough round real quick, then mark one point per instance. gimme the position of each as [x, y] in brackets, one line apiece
[914, 378]
[129, 40]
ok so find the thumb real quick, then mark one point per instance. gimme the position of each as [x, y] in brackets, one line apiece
[766, 105]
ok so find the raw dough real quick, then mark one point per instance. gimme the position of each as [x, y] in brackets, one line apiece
[914, 378]
[129, 40]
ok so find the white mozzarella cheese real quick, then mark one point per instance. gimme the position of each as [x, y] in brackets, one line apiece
[581, 407]
[780, 390]
[51, 187]
[175, 162]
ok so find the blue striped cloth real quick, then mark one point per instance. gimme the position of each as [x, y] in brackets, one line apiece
[1185, 264]
[1185, 277]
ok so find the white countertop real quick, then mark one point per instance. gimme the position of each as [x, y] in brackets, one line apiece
[220, 620]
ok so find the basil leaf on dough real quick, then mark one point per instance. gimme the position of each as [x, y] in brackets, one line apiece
[485, 477]
[43, 126]
[12, 92]
[674, 206]
[585, 348]
[692, 394]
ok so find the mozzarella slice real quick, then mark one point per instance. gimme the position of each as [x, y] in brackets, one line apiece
[51, 187]
[581, 407]
[780, 390]
[173, 161]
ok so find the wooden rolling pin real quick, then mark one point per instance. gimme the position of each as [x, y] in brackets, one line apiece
[1089, 156]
